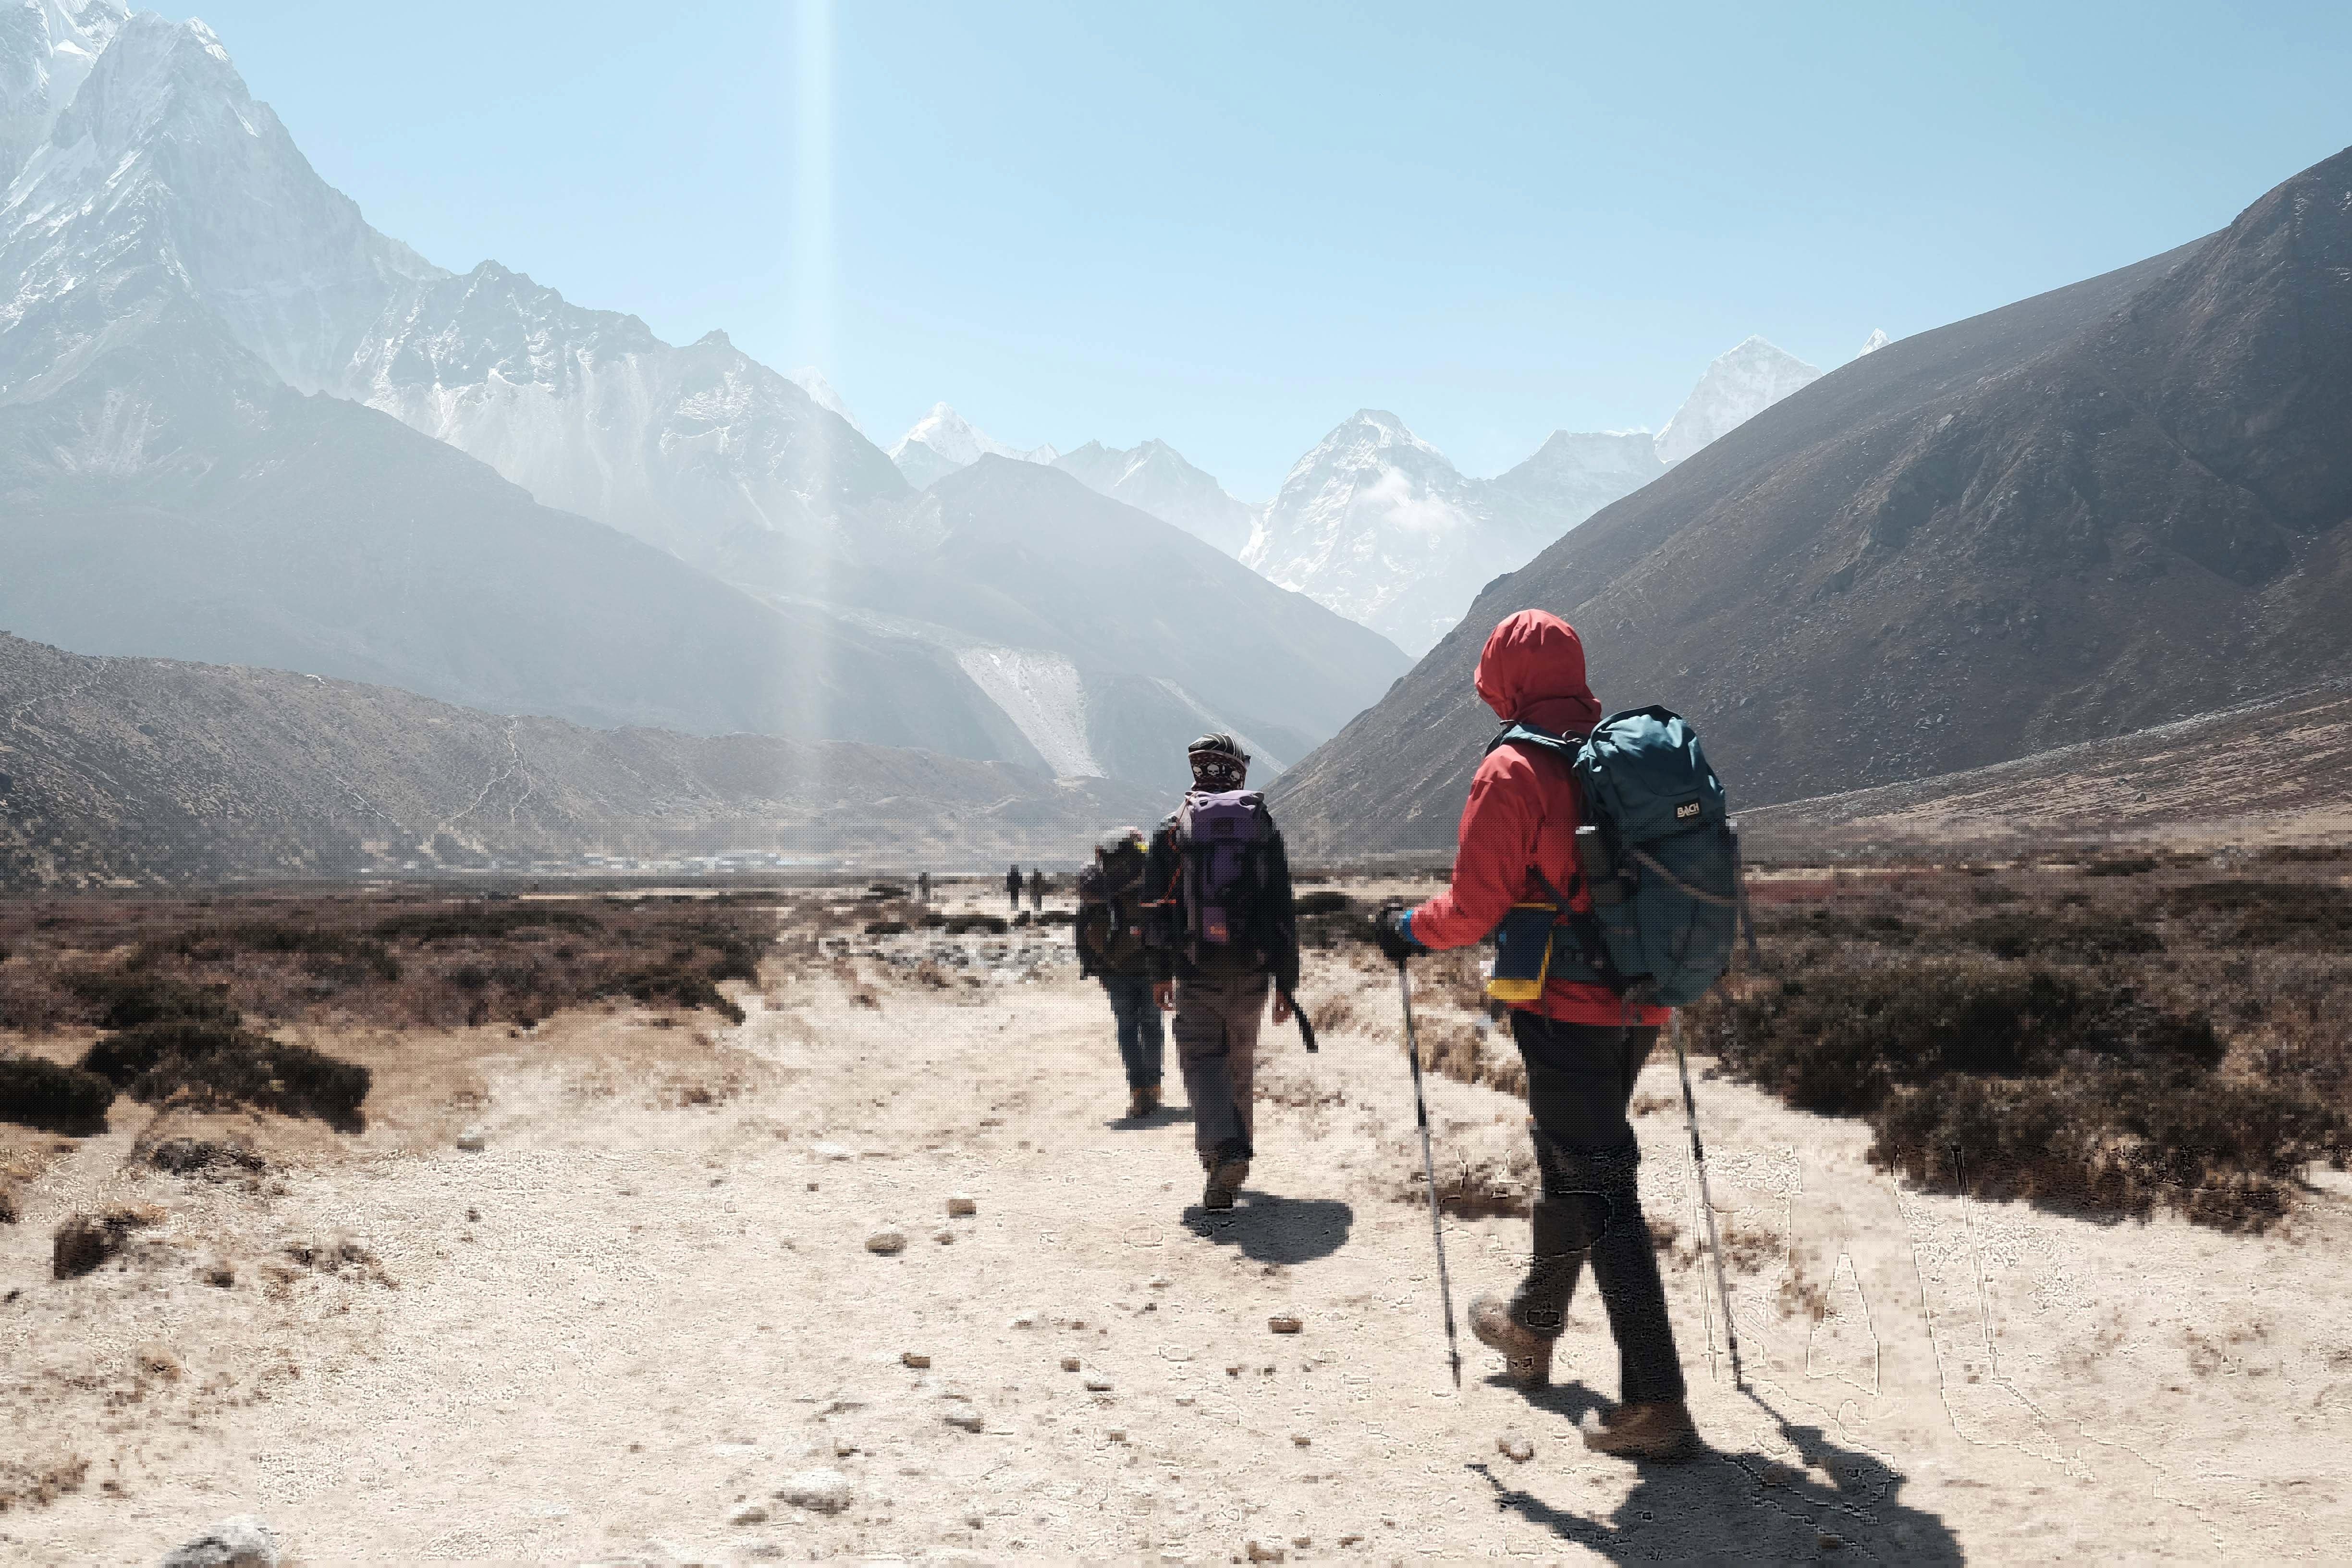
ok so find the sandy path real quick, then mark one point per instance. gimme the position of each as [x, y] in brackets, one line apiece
[656, 1320]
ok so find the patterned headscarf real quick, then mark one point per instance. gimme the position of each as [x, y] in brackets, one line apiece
[1218, 762]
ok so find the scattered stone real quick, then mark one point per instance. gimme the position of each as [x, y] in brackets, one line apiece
[969, 1420]
[886, 1242]
[943, 1237]
[961, 1204]
[834, 1151]
[156, 1358]
[1021, 1321]
[819, 1491]
[843, 1447]
[473, 1216]
[915, 1359]
[1116, 1433]
[473, 1140]
[219, 1274]
[1284, 1323]
[1158, 1282]
[1302, 1440]
[1232, 1370]
[1267, 1553]
[240, 1542]
[748, 1513]
[1070, 1363]
[1512, 1445]
[1184, 1399]
[1774, 1474]
[1829, 1542]
[1098, 1384]
[1351, 1540]
[1302, 1541]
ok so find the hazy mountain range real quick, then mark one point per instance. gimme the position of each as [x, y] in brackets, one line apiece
[238, 425]
[1375, 522]
[2117, 504]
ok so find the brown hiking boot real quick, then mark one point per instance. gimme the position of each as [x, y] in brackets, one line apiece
[1139, 1104]
[1527, 1355]
[1659, 1430]
[1151, 1098]
[1225, 1179]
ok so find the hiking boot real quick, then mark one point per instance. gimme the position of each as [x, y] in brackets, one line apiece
[1151, 1098]
[1225, 1179]
[1139, 1104]
[1527, 1355]
[1659, 1430]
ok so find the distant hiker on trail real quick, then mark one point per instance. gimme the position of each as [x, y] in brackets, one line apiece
[1109, 936]
[1517, 840]
[1221, 933]
[1012, 887]
[1038, 888]
[923, 888]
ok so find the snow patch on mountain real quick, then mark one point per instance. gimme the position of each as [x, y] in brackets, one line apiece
[46, 51]
[1875, 341]
[1044, 697]
[1736, 387]
[811, 380]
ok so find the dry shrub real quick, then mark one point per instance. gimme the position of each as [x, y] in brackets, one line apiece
[37, 1093]
[2312, 915]
[2081, 939]
[84, 1241]
[210, 1065]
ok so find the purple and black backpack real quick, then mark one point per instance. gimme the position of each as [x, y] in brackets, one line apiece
[1223, 838]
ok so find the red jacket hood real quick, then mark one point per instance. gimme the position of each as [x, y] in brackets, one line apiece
[1532, 672]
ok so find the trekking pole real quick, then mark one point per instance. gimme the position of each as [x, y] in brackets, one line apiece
[1429, 1170]
[1706, 1203]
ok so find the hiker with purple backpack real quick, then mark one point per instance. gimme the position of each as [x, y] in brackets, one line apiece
[1221, 936]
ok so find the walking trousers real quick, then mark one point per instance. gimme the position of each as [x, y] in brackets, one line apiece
[1216, 1033]
[1580, 1083]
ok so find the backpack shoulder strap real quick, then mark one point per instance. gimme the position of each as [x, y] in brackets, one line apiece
[1536, 738]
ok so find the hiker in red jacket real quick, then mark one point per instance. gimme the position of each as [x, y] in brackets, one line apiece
[1582, 1044]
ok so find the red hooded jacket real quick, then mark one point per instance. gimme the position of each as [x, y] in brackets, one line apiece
[1523, 808]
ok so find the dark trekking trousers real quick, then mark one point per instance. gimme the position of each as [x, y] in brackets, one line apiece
[1217, 1028]
[1580, 1082]
[1141, 1044]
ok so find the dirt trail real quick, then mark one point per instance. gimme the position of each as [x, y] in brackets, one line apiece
[647, 1305]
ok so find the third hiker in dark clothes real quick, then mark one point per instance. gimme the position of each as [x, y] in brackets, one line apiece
[1221, 936]
[1109, 938]
[1012, 887]
[1582, 1045]
[1038, 888]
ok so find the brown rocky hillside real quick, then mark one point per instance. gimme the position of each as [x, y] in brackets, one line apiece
[152, 771]
[2109, 507]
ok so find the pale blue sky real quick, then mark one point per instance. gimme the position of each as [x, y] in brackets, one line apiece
[1231, 225]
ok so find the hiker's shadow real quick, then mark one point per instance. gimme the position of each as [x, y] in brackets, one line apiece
[1744, 1507]
[1271, 1229]
[1165, 1116]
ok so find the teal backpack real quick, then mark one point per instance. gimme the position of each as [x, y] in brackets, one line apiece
[1660, 855]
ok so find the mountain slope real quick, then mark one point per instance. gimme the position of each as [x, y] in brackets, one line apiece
[689, 449]
[1012, 555]
[147, 770]
[2108, 507]
[1155, 477]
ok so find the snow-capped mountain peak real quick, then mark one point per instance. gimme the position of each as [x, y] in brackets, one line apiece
[1155, 477]
[942, 441]
[1736, 387]
[1875, 341]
